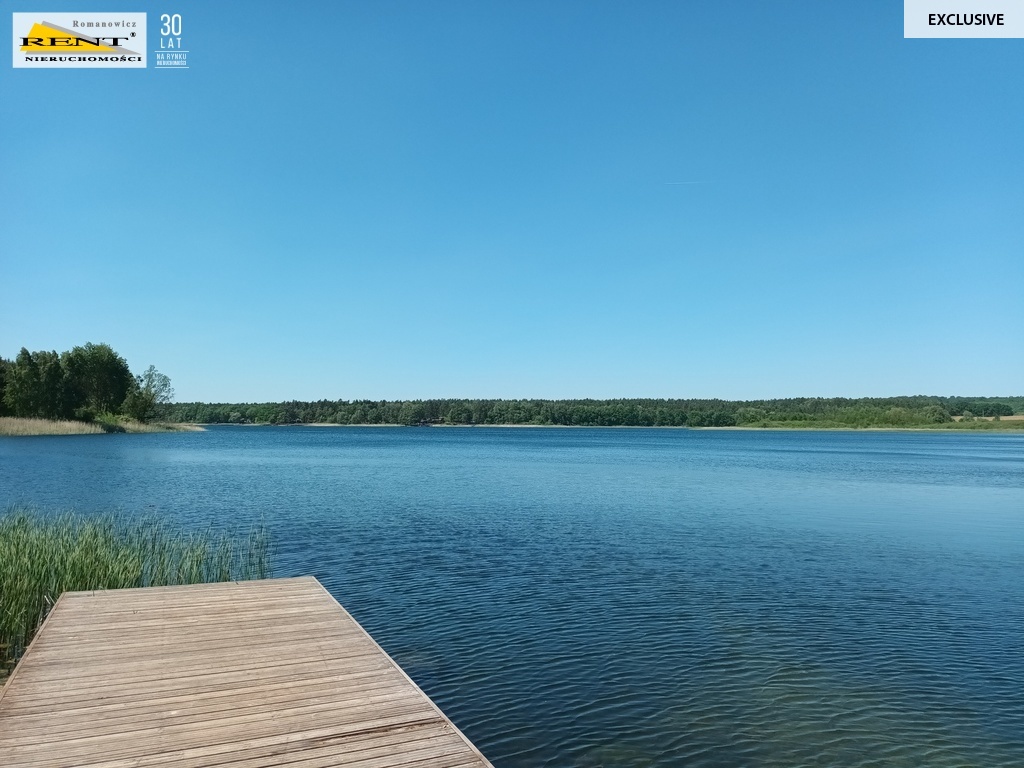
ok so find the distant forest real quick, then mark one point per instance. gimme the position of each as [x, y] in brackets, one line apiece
[93, 383]
[913, 411]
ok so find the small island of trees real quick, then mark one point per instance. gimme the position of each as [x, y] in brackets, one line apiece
[90, 383]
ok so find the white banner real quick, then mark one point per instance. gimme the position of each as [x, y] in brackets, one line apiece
[963, 18]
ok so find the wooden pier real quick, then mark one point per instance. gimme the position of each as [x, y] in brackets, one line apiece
[239, 675]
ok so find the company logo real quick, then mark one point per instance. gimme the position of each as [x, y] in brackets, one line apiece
[80, 40]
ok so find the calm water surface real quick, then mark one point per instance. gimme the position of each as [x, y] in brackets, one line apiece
[614, 597]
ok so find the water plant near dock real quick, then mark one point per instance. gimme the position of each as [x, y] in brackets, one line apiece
[42, 556]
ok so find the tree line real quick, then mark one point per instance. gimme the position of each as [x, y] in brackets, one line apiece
[907, 411]
[94, 382]
[85, 383]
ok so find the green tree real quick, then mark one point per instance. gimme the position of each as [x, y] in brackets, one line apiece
[54, 399]
[5, 375]
[99, 378]
[897, 417]
[22, 390]
[149, 395]
[936, 414]
[36, 386]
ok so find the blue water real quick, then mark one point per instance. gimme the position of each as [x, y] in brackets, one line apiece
[633, 597]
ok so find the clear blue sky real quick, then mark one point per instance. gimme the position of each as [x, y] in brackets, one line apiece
[379, 199]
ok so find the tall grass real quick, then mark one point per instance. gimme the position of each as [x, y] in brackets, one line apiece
[15, 427]
[42, 556]
[9, 425]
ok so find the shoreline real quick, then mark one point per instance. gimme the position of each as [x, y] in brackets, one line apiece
[774, 428]
[41, 427]
[12, 426]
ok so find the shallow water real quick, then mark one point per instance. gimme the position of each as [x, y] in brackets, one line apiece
[633, 597]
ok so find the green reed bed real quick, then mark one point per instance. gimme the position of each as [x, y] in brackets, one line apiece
[42, 556]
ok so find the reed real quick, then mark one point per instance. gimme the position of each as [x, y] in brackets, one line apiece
[42, 556]
[11, 426]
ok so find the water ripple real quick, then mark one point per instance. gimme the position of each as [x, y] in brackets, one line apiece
[596, 598]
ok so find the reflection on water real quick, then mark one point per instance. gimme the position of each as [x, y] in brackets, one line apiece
[634, 597]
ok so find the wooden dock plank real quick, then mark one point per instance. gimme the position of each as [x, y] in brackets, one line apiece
[112, 690]
[238, 675]
[96, 721]
[169, 701]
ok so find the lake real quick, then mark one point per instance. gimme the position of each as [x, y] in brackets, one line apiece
[632, 597]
